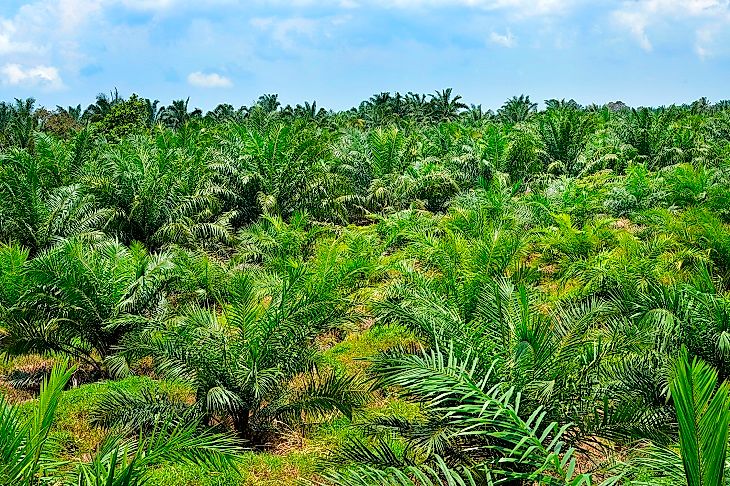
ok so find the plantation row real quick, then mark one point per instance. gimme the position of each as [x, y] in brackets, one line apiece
[410, 292]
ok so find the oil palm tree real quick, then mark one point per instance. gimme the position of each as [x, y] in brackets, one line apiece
[160, 191]
[444, 106]
[28, 455]
[177, 114]
[80, 300]
[256, 363]
[471, 432]
[702, 407]
[517, 109]
[39, 208]
[102, 106]
[277, 168]
[563, 130]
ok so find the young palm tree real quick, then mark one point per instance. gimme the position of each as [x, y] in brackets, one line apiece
[256, 363]
[28, 455]
[277, 168]
[471, 430]
[41, 200]
[80, 300]
[161, 193]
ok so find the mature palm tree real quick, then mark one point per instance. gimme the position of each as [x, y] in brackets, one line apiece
[416, 105]
[23, 122]
[177, 115]
[269, 103]
[517, 109]
[153, 112]
[73, 112]
[222, 113]
[309, 111]
[102, 106]
[444, 107]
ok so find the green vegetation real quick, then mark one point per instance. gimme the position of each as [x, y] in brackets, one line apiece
[412, 291]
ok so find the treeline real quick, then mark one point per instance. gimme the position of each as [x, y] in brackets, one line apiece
[222, 170]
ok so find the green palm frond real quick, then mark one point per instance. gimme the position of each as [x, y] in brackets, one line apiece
[25, 445]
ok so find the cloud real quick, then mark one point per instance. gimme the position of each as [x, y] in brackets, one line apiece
[706, 16]
[209, 80]
[504, 40]
[8, 44]
[516, 8]
[149, 5]
[635, 23]
[285, 31]
[42, 76]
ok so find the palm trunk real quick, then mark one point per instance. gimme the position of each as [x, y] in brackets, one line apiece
[241, 423]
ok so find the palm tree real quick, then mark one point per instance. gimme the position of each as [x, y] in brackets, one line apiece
[177, 115]
[161, 192]
[517, 109]
[102, 106]
[73, 112]
[27, 455]
[39, 208]
[471, 430]
[563, 130]
[416, 105]
[277, 168]
[80, 300]
[23, 122]
[24, 445]
[153, 112]
[444, 107]
[703, 415]
[222, 113]
[256, 363]
[269, 103]
[309, 111]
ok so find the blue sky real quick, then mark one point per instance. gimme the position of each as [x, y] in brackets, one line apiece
[339, 52]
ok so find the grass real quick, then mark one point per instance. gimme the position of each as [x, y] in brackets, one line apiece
[351, 353]
[73, 428]
[253, 469]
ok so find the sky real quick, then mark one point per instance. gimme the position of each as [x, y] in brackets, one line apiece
[339, 52]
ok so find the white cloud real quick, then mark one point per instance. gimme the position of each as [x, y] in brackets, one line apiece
[209, 80]
[148, 4]
[504, 40]
[635, 23]
[708, 17]
[703, 39]
[75, 13]
[41, 76]
[8, 44]
[517, 8]
[284, 31]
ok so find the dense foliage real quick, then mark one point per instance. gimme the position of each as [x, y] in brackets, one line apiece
[554, 286]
